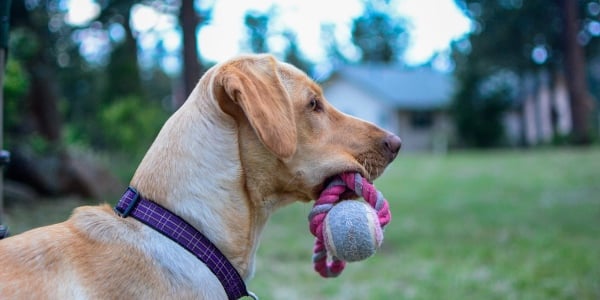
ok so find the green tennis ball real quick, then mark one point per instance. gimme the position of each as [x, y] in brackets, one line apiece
[351, 231]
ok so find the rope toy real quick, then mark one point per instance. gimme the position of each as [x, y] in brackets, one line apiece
[330, 217]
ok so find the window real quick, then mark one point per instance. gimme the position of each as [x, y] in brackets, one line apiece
[421, 119]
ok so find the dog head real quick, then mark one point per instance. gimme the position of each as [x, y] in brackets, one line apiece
[291, 140]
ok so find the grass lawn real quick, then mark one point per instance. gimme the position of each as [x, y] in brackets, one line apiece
[470, 225]
[474, 225]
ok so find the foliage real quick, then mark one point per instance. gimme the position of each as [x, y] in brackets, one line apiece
[331, 45]
[23, 44]
[130, 124]
[477, 115]
[508, 36]
[44, 48]
[16, 84]
[257, 24]
[380, 36]
[293, 55]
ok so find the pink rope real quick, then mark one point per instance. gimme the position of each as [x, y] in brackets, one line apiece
[327, 199]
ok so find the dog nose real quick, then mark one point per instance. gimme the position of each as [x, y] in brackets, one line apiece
[392, 145]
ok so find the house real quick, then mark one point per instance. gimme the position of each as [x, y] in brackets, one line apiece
[412, 103]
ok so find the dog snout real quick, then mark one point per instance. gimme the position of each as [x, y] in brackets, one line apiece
[392, 144]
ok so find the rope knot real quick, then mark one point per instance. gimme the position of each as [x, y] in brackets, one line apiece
[328, 198]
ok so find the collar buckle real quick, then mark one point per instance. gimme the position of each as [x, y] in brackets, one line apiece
[124, 212]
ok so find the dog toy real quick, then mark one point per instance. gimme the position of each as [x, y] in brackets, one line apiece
[351, 231]
[344, 230]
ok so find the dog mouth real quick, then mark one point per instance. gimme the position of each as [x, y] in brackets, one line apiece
[348, 194]
[368, 165]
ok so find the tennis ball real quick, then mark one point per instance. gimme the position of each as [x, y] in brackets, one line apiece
[351, 230]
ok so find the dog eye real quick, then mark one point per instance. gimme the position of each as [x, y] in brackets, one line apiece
[315, 105]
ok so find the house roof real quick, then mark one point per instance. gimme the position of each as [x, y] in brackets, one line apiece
[420, 88]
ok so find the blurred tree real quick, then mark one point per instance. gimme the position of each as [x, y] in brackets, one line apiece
[90, 66]
[331, 45]
[190, 20]
[43, 44]
[582, 104]
[293, 55]
[478, 111]
[15, 87]
[125, 76]
[36, 41]
[257, 24]
[518, 37]
[380, 36]
[67, 79]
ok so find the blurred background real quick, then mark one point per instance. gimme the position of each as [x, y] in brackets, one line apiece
[496, 192]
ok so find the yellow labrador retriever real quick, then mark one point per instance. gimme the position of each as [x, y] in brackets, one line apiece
[254, 135]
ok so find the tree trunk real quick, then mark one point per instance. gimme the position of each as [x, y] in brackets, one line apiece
[581, 101]
[2, 61]
[4, 14]
[43, 98]
[189, 21]
[123, 64]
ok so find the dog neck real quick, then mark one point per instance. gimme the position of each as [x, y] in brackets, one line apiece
[191, 169]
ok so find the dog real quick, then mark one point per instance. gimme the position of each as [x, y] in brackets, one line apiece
[254, 135]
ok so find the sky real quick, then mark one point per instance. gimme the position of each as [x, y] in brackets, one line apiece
[433, 24]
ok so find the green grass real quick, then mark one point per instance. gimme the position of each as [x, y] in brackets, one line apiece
[470, 225]
[475, 225]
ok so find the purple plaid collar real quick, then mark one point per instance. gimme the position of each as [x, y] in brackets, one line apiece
[184, 234]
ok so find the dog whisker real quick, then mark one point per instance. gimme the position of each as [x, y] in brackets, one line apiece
[296, 175]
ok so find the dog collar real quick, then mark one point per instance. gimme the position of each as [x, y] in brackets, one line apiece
[175, 228]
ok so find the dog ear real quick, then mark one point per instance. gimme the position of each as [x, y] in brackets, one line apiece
[253, 85]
